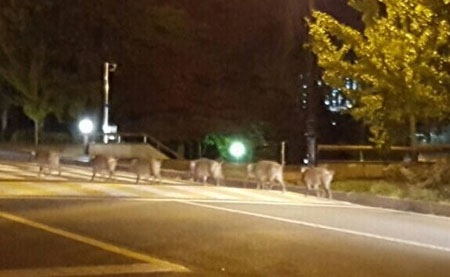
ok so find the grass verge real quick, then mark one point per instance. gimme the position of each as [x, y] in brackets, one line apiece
[394, 190]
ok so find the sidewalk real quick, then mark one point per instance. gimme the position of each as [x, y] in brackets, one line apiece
[356, 198]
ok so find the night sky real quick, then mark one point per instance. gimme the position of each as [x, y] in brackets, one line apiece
[238, 67]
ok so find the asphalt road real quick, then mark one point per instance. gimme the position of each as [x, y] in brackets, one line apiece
[228, 239]
[65, 226]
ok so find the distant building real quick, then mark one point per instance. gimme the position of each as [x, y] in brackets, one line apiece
[334, 100]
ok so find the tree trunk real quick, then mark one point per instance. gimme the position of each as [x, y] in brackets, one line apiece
[4, 123]
[36, 132]
[413, 138]
[199, 149]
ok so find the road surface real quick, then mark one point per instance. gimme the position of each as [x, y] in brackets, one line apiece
[68, 226]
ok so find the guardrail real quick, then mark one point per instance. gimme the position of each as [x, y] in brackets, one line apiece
[420, 148]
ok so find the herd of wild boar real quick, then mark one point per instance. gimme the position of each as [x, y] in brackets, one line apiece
[266, 174]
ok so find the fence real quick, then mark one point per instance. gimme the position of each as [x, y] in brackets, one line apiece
[364, 153]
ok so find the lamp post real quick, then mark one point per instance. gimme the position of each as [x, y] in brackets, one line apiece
[86, 127]
[108, 67]
[311, 133]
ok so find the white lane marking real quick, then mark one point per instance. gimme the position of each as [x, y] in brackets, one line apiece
[169, 199]
[321, 226]
[53, 177]
[309, 198]
[205, 192]
[8, 176]
[59, 188]
[122, 178]
[111, 191]
[33, 171]
[173, 182]
[10, 167]
[160, 191]
[24, 173]
[253, 202]
[434, 216]
[282, 196]
[80, 172]
[95, 243]
[96, 270]
[86, 171]
[72, 174]
[252, 194]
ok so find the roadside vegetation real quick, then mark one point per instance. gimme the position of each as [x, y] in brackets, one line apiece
[428, 182]
[392, 189]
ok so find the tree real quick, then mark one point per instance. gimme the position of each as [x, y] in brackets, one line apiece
[8, 98]
[52, 53]
[30, 55]
[400, 60]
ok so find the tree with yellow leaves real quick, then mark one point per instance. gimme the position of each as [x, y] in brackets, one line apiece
[401, 60]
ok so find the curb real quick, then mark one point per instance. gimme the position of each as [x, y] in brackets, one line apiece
[415, 206]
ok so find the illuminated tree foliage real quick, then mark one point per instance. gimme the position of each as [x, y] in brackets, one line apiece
[401, 61]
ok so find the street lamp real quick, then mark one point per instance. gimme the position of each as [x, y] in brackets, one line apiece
[107, 129]
[86, 127]
[237, 149]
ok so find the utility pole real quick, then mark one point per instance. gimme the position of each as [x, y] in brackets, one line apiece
[108, 67]
[311, 122]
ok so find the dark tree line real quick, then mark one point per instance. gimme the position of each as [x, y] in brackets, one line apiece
[184, 69]
[51, 52]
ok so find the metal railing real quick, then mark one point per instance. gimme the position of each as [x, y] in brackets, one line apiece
[362, 149]
[143, 138]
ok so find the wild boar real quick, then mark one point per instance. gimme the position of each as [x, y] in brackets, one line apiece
[48, 159]
[140, 167]
[155, 169]
[147, 168]
[250, 174]
[314, 177]
[266, 172]
[203, 168]
[101, 164]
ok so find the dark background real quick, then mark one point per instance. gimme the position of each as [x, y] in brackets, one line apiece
[198, 68]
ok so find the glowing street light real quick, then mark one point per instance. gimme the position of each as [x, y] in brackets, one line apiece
[86, 127]
[237, 149]
[107, 129]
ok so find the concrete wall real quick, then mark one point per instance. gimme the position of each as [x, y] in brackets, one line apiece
[126, 150]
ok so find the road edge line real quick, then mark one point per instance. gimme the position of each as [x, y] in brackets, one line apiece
[96, 243]
[324, 227]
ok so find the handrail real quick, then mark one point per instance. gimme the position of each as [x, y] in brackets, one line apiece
[145, 139]
[419, 148]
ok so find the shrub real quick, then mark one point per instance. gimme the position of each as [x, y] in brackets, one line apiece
[423, 194]
[387, 190]
[351, 186]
